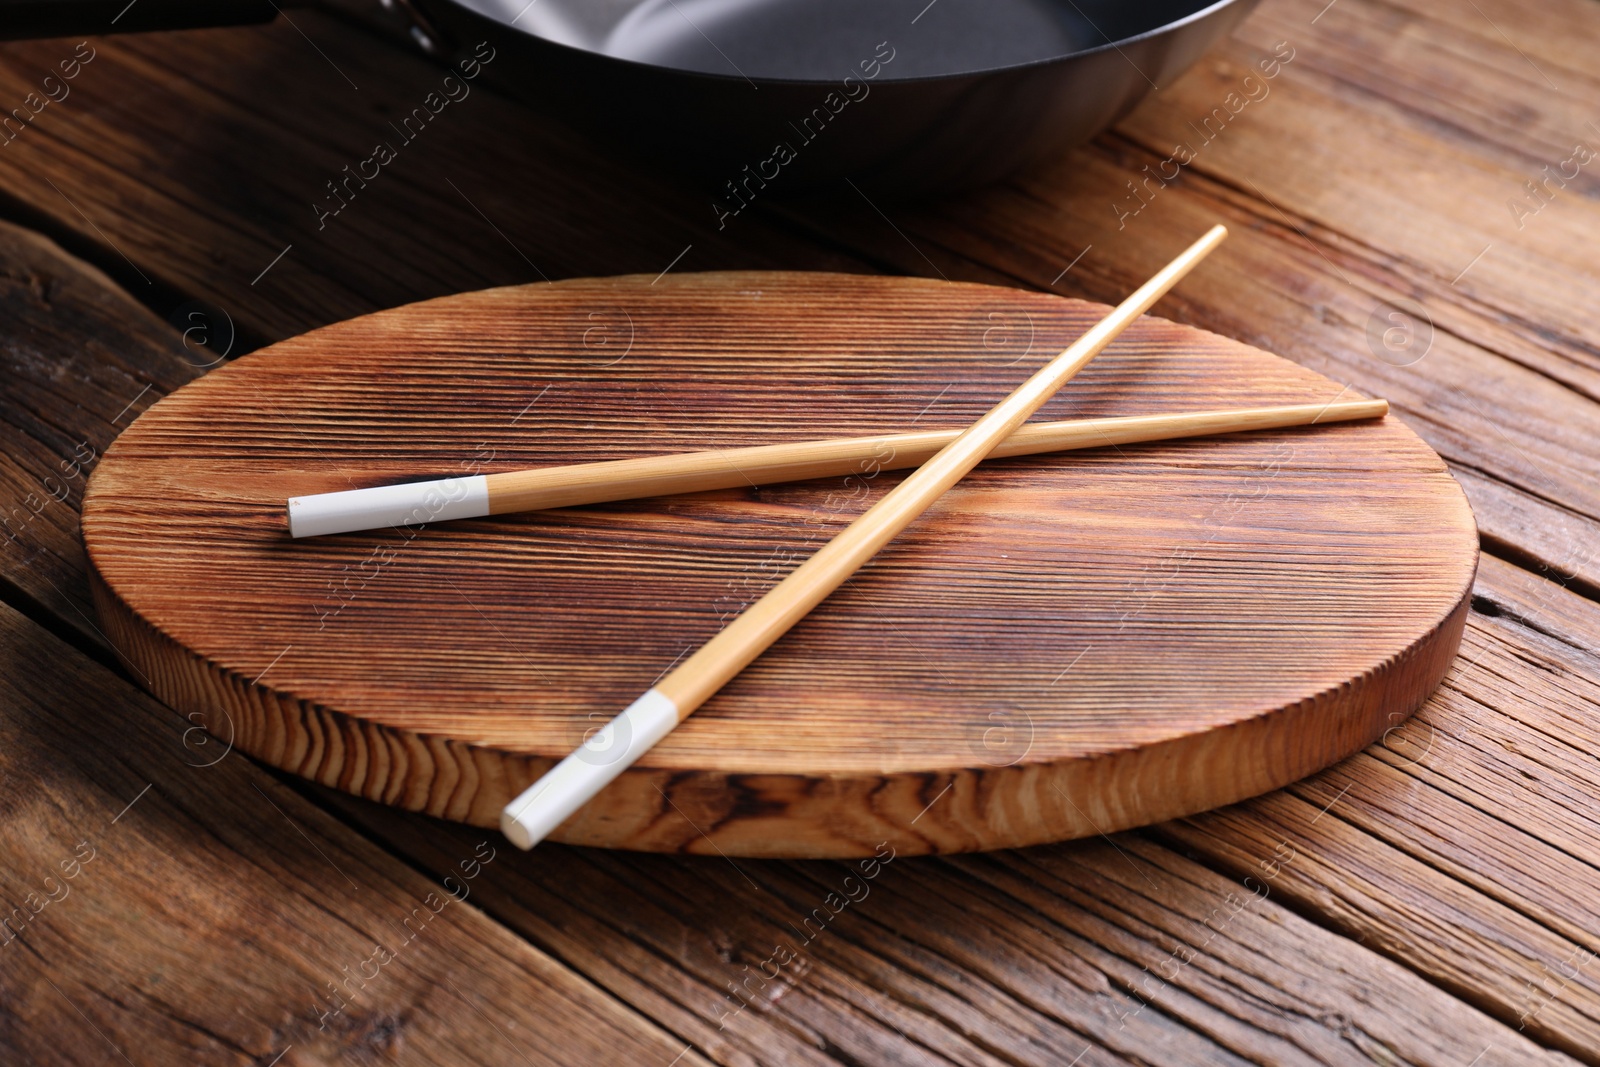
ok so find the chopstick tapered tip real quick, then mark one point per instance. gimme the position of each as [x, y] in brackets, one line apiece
[1212, 237]
[1348, 410]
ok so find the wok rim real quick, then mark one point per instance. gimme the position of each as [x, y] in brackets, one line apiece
[819, 83]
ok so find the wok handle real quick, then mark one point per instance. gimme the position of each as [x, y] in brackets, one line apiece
[20, 19]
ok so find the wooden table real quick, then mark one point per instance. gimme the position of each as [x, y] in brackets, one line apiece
[1432, 900]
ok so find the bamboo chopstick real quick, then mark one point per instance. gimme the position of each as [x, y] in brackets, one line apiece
[575, 780]
[692, 472]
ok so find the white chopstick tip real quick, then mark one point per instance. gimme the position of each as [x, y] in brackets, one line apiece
[595, 764]
[389, 505]
[517, 833]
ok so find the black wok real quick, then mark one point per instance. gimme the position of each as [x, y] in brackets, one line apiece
[765, 97]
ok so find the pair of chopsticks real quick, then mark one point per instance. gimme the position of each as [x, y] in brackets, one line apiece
[942, 458]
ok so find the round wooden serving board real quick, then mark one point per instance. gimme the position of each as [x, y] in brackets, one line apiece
[1065, 644]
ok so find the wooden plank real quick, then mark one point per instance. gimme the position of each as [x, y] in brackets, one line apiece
[199, 157]
[1491, 785]
[163, 903]
[1032, 957]
[81, 360]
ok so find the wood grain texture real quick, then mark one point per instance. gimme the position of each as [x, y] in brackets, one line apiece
[1463, 844]
[209, 919]
[204, 204]
[1179, 626]
[1117, 950]
[216, 196]
[167, 903]
[665, 935]
[1375, 172]
[80, 360]
[197, 155]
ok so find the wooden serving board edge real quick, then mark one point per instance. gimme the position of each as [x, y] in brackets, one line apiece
[960, 810]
